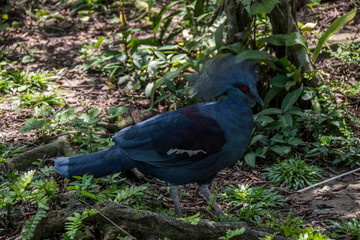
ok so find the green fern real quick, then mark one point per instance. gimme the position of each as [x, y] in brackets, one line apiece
[30, 225]
[21, 183]
[75, 224]
[232, 233]
[128, 192]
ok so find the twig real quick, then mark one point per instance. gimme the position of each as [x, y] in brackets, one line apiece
[328, 180]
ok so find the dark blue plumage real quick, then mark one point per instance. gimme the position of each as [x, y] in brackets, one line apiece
[188, 145]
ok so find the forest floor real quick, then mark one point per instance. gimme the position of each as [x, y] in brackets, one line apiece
[54, 45]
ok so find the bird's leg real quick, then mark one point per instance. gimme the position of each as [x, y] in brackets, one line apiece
[204, 188]
[175, 195]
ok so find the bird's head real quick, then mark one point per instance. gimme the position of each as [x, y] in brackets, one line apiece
[226, 74]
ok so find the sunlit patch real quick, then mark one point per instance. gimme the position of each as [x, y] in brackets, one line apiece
[181, 151]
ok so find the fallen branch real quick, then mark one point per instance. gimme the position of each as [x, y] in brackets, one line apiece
[140, 223]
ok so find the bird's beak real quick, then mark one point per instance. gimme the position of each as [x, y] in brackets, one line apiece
[259, 100]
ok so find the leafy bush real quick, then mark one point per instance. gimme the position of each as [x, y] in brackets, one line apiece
[290, 226]
[292, 173]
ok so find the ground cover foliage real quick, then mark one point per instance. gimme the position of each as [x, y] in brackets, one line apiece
[141, 59]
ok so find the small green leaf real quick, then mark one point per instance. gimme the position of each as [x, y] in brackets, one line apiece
[116, 111]
[290, 39]
[99, 41]
[290, 99]
[93, 112]
[27, 59]
[256, 138]
[269, 111]
[250, 159]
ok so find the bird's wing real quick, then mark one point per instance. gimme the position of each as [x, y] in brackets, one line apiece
[182, 137]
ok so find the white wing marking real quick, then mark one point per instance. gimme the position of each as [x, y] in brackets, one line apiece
[180, 151]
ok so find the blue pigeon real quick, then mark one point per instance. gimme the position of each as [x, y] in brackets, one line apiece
[187, 145]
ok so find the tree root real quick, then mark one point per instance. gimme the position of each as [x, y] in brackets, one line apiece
[25, 160]
[140, 223]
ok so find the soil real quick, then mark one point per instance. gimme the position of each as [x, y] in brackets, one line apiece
[56, 45]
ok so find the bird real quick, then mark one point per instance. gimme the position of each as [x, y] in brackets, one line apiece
[190, 144]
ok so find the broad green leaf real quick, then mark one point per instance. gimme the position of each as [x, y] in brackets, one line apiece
[273, 92]
[290, 99]
[282, 150]
[288, 119]
[219, 37]
[336, 25]
[269, 111]
[316, 104]
[170, 85]
[250, 159]
[326, 140]
[116, 111]
[199, 8]
[264, 6]
[256, 138]
[279, 81]
[148, 89]
[93, 112]
[291, 39]
[255, 55]
[32, 124]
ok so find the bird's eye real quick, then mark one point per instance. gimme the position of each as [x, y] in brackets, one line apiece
[244, 89]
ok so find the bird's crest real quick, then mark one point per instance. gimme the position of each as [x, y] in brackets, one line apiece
[218, 73]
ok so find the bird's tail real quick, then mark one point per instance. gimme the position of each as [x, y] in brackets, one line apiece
[99, 164]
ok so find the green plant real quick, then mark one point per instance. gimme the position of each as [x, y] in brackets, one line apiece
[277, 130]
[252, 201]
[14, 80]
[292, 173]
[232, 233]
[30, 225]
[74, 224]
[310, 234]
[132, 191]
[349, 227]
[194, 220]
[32, 191]
[348, 53]
[86, 132]
[290, 226]
[335, 26]
[42, 103]
[85, 187]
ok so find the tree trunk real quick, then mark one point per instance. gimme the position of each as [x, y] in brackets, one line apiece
[283, 21]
